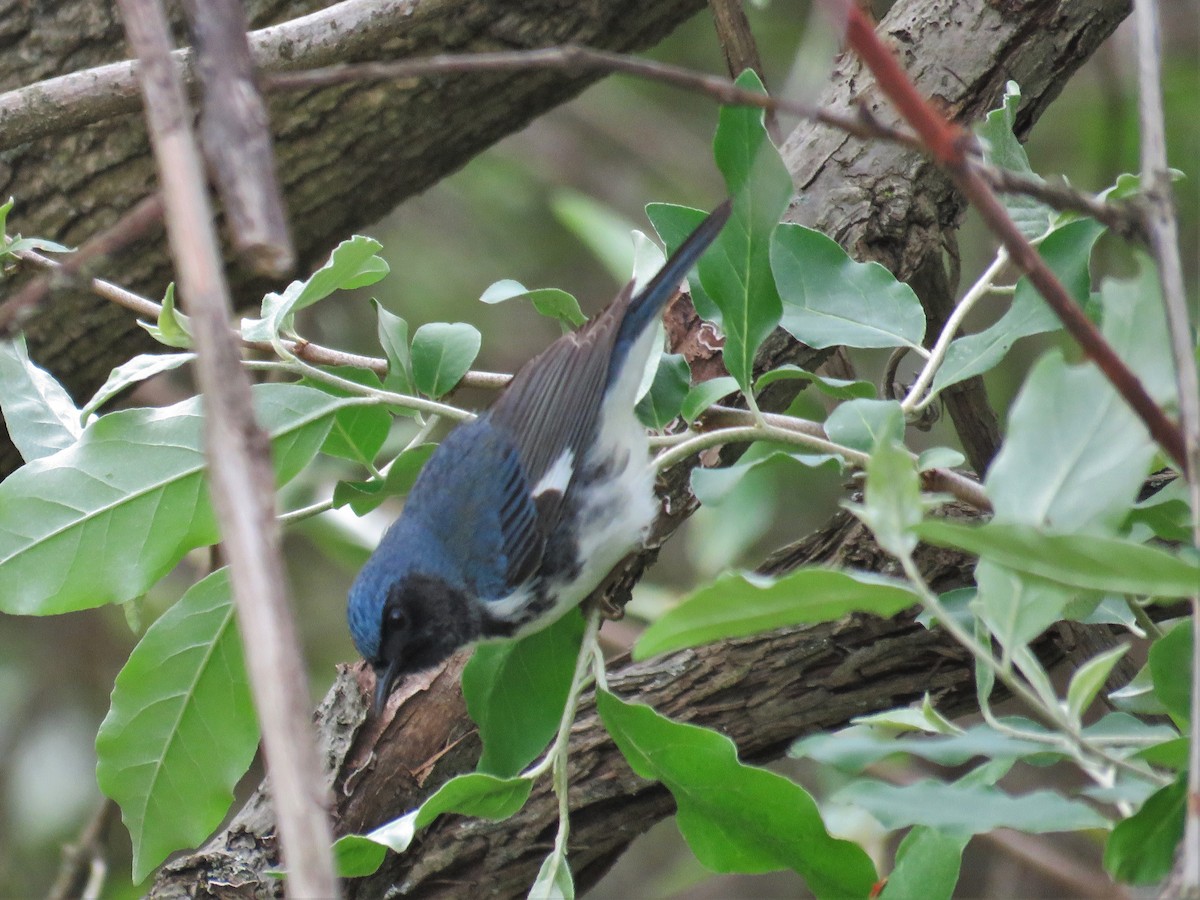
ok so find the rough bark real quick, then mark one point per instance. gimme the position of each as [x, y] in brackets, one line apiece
[347, 155]
[881, 202]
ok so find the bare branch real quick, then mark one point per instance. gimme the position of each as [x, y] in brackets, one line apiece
[236, 136]
[241, 478]
[131, 227]
[1164, 243]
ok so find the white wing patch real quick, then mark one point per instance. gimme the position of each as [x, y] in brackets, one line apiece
[558, 476]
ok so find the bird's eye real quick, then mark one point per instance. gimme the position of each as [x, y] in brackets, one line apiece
[396, 617]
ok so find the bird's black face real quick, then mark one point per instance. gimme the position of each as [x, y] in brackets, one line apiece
[424, 621]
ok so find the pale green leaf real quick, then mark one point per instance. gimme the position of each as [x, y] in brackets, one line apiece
[136, 370]
[831, 300]
[102, 520]
[39, 414]
[705, 394]
[554, 881]
[393, 338]
[1078, 560]
[550, 302]
[1089, 679]
[967, 809]
[1067, 251]
[1002, 149]
[181, 730]
[738, 604]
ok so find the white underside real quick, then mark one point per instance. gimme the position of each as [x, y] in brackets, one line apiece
[615, 522]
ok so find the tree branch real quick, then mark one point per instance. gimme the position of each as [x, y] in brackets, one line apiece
[241, 479]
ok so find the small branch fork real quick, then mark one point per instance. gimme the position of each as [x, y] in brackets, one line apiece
[241, 478]
[948, 144]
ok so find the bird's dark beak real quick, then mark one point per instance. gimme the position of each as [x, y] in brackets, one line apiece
[384, 679]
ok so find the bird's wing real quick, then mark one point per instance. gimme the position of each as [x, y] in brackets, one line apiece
[474, 498]
[551, 408]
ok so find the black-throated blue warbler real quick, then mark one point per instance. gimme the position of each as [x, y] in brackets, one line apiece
[521, 513]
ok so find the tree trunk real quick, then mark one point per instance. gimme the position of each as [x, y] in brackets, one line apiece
[882, 203]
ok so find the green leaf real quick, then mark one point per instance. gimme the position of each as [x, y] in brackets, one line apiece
[1084, 561]
[173, 328]
[853, 749]
[1075, 456]
[554, 881]
[136, 370]
[663, 401]
[893, 507]
[550, 302]
[967, 808]
[364, 496]
[1089, 679]
[1171, 669]
[442, 354]
[516, 691]
[864, 424]
[1017, 608]
[102, 520]
[358, 431]
[1067, 251]
[39, 414]
[831, 300]
[352, 264]
[1135, 324]
[181, 731]
[673, 224]
[838, 388]
[705, 394]
[393, 338]
[1141, 849]
[713, 487]
[357, 856]
[1002, 149]
[738, 604]
[736, 272]
[735, 818]
[474, 794]
[939, 458]
[927, 865]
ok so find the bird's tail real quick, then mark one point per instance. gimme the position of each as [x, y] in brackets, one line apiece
[648, 303]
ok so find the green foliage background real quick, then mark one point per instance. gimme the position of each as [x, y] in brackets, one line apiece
[510, 215]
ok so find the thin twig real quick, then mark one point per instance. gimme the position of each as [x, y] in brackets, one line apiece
[741, 51]
[1126, 218]
[77, 862]
[241, 479]
[916, 399]
[304, 350]
[1164, 243]
[948, 145]
[740, 425]
[131, 227]
[575, 59]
